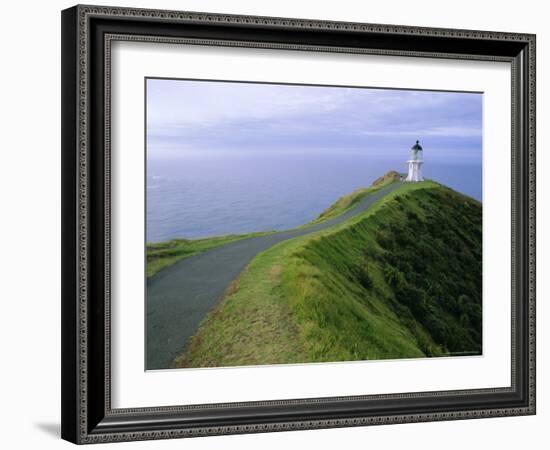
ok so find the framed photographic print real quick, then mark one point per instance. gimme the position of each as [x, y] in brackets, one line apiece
[277, 224]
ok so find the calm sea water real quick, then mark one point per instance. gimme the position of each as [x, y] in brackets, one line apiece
[217, 195]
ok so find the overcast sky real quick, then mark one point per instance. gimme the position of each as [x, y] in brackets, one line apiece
[187, 118]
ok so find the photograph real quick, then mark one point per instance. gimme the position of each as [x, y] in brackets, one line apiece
[302, 219]
[298, 224]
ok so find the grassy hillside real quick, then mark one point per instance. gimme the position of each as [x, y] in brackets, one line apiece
[163, 254]
[348, 201]
[400, 280]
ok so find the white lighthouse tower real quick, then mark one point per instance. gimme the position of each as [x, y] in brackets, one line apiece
[415, 164]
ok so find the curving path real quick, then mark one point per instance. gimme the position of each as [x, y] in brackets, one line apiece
[180, 296]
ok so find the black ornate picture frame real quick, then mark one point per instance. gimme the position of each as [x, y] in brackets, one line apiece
[87, 34]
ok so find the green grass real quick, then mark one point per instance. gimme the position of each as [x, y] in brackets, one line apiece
[163, 254]
[254, 325]
[400, 280]
[348, 201]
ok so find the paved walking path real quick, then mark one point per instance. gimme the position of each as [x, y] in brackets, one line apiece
[180, 296]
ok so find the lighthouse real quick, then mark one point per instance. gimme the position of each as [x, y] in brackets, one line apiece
[415, 164]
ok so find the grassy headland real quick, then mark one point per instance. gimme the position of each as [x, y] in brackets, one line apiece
[400, 280]
[348, 201]
[163, 254]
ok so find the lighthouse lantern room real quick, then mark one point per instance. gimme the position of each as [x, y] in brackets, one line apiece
[415, 164]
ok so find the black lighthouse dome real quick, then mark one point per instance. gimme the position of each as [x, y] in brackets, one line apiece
[416, 146]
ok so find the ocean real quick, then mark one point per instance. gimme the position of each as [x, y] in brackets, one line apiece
[195, 197]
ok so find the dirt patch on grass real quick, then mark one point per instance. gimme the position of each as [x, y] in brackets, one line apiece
[275, 273]
[232, 288]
